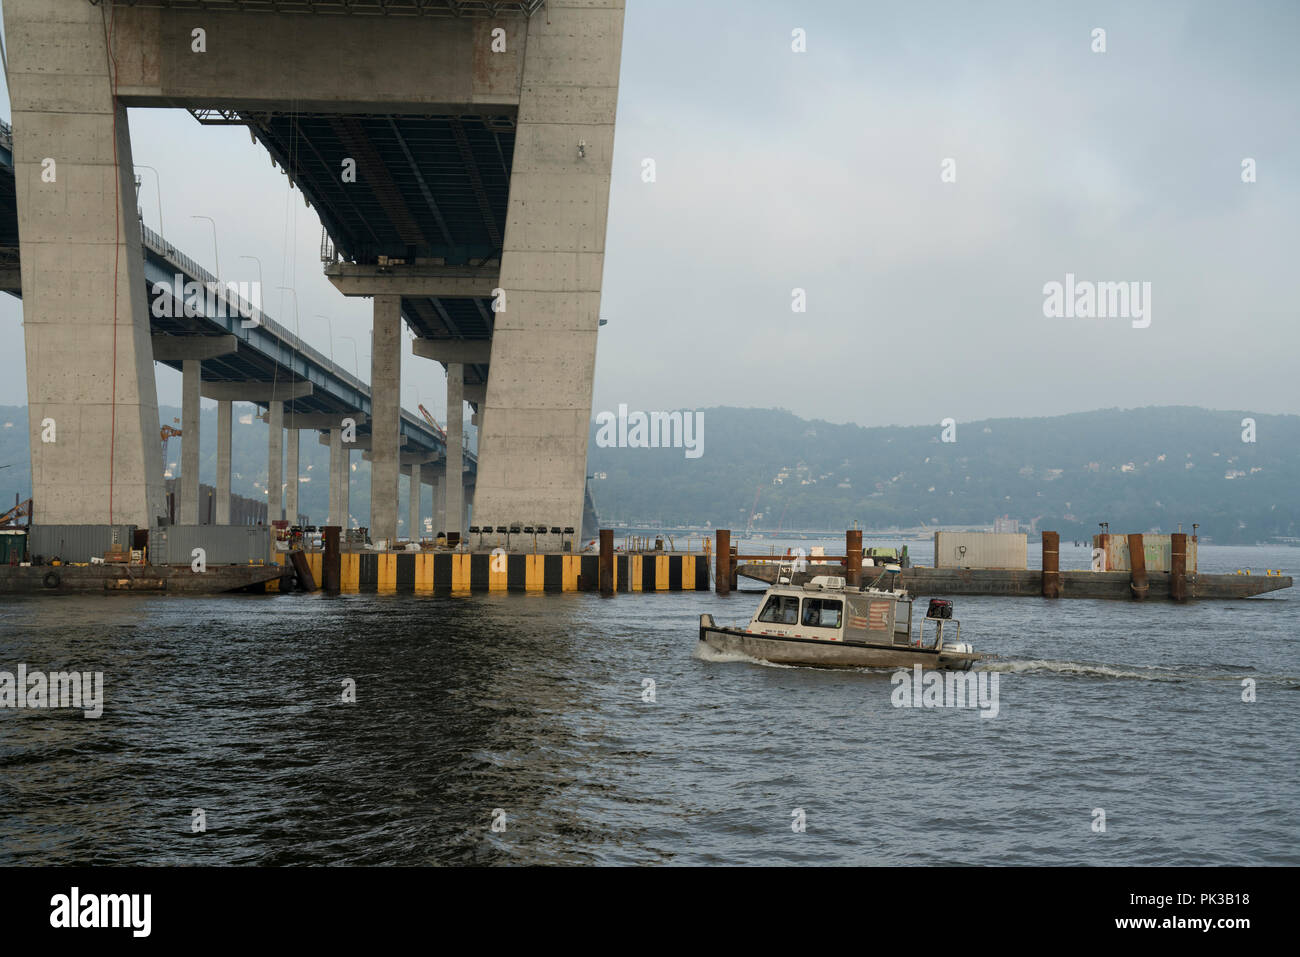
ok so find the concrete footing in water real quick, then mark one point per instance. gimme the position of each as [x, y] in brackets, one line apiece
[430, 571]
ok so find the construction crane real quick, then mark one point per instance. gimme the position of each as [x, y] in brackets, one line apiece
[166, 432]
[442, 434]
[21, 510]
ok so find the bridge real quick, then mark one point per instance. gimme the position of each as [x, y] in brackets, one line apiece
[463, 185]
[227, 349]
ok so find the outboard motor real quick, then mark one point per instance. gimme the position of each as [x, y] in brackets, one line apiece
[939, 608]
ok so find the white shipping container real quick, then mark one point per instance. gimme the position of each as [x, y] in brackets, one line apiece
[980, 550]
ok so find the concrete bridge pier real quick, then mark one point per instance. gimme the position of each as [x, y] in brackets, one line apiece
[191, 351]
[340, 466]
[188, 511]
[454, 489]
[225, 421]
[291, 476]
[413, 528]
[274, 461]
[386, 415]
[417, 466]
[438, 484]
[476, 396]
[91, 391]
[533, 440]
[270, 394]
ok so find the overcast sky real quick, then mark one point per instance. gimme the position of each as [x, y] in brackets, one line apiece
[821, 170]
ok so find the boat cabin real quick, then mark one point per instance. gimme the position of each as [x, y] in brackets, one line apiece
[827, 609]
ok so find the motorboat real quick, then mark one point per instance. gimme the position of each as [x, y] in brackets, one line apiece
[830, 624]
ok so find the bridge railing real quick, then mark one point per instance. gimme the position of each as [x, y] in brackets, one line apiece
[240, 306]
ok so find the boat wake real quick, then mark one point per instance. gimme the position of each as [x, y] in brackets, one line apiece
[1148, 672]
[706, 652]
[1044, 666]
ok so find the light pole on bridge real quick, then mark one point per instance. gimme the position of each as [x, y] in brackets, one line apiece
[260, 285]
[329, 324]
[356, 366]
[157, 185]
[215, 255]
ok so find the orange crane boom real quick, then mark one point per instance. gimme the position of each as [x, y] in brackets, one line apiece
[18, 511]
[432, 424]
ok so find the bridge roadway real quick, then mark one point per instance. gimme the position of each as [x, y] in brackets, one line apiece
[228, 350]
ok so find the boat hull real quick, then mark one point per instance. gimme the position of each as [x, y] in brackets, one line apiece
[827, 654]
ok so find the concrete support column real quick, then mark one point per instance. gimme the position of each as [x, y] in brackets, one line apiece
[413, 529]
[225, 416]
[336, 510]
[274, 461]
[438, 482]
[345, 486]
[90, 372]
[537, 410]
[385, 416]
[188, 511]
[291, 478]
[454, 484]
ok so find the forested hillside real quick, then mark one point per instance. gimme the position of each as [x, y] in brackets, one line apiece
[1138, 469]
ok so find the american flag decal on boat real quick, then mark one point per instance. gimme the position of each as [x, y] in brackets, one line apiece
[858, 622]
[878, 612]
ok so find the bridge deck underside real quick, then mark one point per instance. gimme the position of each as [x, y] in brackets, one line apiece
[451, 318]
[426, 187]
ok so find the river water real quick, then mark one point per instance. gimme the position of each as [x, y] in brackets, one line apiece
[532, 711]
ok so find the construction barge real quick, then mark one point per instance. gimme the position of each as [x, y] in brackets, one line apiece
[87, 579]
[1161, 567]
[1028, 583]
[186, 560]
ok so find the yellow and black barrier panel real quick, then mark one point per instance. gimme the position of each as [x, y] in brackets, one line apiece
[429, 572]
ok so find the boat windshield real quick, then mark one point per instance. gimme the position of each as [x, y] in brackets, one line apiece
[781, 610]
[822, 612]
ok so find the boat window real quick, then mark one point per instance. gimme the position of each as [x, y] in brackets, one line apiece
[822, 612]
[781, 610]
